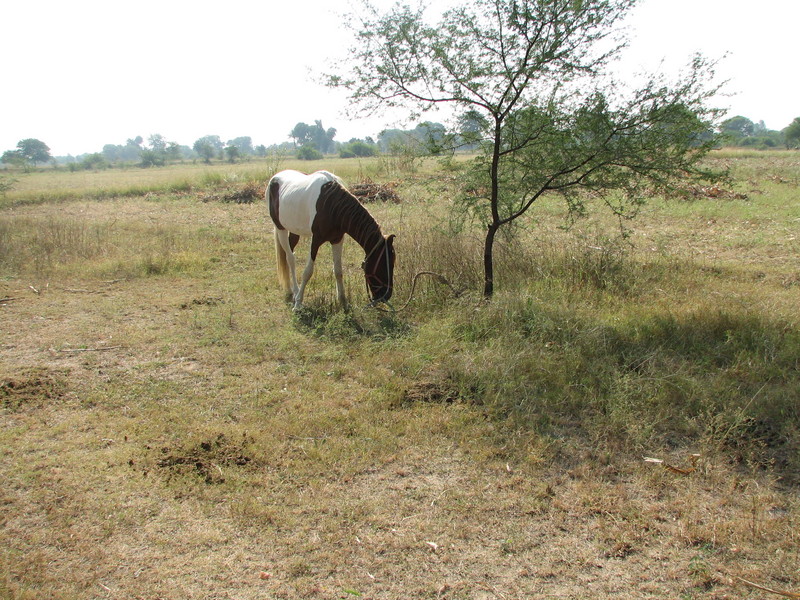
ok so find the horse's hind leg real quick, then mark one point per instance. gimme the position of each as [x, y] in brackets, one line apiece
[287, 242]
[338, 272]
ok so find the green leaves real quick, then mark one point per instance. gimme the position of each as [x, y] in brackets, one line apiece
[531, 74]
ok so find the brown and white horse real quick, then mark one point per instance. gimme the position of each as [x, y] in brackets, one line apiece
[319, 206]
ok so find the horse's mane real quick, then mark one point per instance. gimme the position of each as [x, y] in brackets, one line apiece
[343, 207]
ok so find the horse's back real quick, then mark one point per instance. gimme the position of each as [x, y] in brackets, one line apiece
[297, 194]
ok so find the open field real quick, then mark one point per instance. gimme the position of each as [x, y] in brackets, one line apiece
[169, 429]
[58, 185]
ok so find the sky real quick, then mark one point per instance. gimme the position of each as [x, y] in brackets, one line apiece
[80, 74]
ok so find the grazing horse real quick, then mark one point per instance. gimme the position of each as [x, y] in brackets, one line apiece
[319, 206]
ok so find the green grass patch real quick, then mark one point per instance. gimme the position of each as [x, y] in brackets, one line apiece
[634, 379]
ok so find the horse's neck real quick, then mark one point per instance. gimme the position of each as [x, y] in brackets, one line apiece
[358, 223]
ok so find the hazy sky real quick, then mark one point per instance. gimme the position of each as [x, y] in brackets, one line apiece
[83, 73]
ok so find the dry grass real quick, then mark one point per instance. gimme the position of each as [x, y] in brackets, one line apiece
[170, 430]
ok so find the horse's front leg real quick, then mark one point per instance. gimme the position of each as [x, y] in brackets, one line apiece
[338, 272]
[307, 273]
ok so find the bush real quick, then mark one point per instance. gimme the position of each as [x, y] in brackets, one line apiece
[309, 153]
[6, 184]
[152, 158]
[93, 161]
[357, 149]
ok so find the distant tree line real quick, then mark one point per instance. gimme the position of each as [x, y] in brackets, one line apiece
[312, 142]
[741, 131]
[156, 152]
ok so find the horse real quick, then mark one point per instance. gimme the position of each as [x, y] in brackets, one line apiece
[320, 206]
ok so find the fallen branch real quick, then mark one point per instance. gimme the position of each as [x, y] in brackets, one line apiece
[766, 589]
[7, 299]
[672, 469]
[100, 349]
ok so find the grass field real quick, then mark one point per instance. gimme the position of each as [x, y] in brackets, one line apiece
[170, 429]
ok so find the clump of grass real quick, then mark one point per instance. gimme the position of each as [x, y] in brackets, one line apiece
[334, 324]
[39, 245]
[179, 187]
[44, 246]
[579, 262]
[640, 381]
[243, 193]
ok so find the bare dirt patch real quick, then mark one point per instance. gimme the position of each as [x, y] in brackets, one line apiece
[204, 459]
[430, 390]
[207, 301]
[32, 388]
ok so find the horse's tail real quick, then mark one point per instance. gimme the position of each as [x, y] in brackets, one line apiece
[273, 193]
[283, 265]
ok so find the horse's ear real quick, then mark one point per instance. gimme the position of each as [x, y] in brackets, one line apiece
[389, 239]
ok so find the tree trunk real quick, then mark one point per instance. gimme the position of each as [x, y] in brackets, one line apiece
[491, 228]
[488, 261]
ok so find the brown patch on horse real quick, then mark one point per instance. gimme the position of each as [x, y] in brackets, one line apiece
[339, 212]
[274, 204]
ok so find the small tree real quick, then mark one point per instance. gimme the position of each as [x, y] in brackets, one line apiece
[243, 144]
[157, 143]
[300, 134]
[29, 151]
[313, 135]
[94, 161]
[132, 149]
[152, 158]
[173, 151]
[208, 147]
[533, 71]
[737, 127]
[792, 134]
[13, 158]
[233, 153]
[159, 152]
[34, 150]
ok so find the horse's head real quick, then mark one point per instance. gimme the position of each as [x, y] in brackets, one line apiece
[379, 270]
